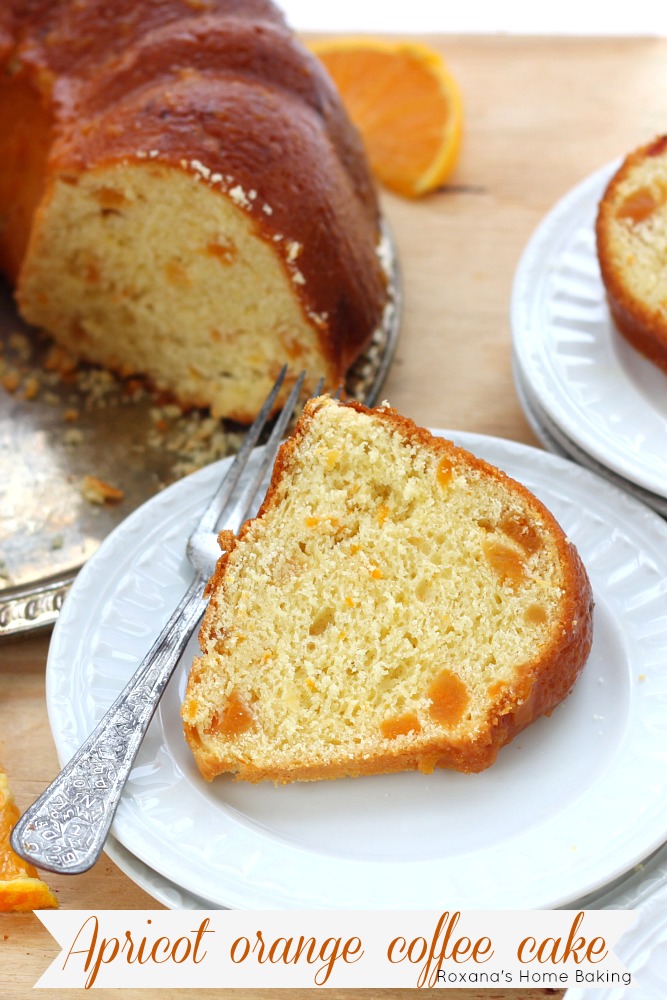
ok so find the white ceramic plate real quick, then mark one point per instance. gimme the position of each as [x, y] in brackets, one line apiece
[552, 437]
[643, 951]
[156, 885]
[603, 395]
[624, 893]
[573, 803]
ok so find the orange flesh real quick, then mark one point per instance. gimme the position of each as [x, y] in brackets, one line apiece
[21, 889]
[403, 104]
[11, 866]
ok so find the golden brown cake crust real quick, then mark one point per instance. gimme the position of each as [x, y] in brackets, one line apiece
[643, 324]
[539, 685]
[309, 209]
[185, 83]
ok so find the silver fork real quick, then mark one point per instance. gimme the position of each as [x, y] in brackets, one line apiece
[65, 829]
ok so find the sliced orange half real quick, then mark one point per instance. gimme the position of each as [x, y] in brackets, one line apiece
[406, 105]
[20, 886]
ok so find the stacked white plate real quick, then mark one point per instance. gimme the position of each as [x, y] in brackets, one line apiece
[587, 394]
[592, 398]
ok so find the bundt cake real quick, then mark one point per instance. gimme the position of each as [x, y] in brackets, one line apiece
[397, 604]
[632, 249]
[182, 195]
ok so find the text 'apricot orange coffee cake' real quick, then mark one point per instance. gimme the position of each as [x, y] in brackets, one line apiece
[183, 196]
[397, 604]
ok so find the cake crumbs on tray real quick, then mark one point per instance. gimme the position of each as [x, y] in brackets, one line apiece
[96, 491]
[20, 344]
[31, 387]
[194, 438]
[73, 437]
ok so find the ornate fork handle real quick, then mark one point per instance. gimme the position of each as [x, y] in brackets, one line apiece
[65, 829]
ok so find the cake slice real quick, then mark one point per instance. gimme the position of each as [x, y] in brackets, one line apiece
[631, 233]
[396, 604]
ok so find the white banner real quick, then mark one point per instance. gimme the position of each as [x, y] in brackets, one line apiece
[289, 949]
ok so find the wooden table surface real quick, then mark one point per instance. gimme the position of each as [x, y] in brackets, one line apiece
[541, 114]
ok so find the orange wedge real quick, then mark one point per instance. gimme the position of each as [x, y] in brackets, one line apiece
[20, 886]
[406, 105]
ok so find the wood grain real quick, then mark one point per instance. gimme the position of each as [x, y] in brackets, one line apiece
[541, 114]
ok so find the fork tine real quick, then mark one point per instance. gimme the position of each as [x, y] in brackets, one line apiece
[235, 518]
[229, 483]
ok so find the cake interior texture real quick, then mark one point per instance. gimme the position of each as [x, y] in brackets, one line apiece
[108, 252]
[396, 605]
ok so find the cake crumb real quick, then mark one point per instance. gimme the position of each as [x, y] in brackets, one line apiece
[239, 197]
[11, 380]
[200, 168]
[192, 437]
[19, 343]
[293, 250]
[72, 438]
[59, 360]
[30, 388]
[96, 491]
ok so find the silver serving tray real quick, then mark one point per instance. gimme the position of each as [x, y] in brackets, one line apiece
[112, 429]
